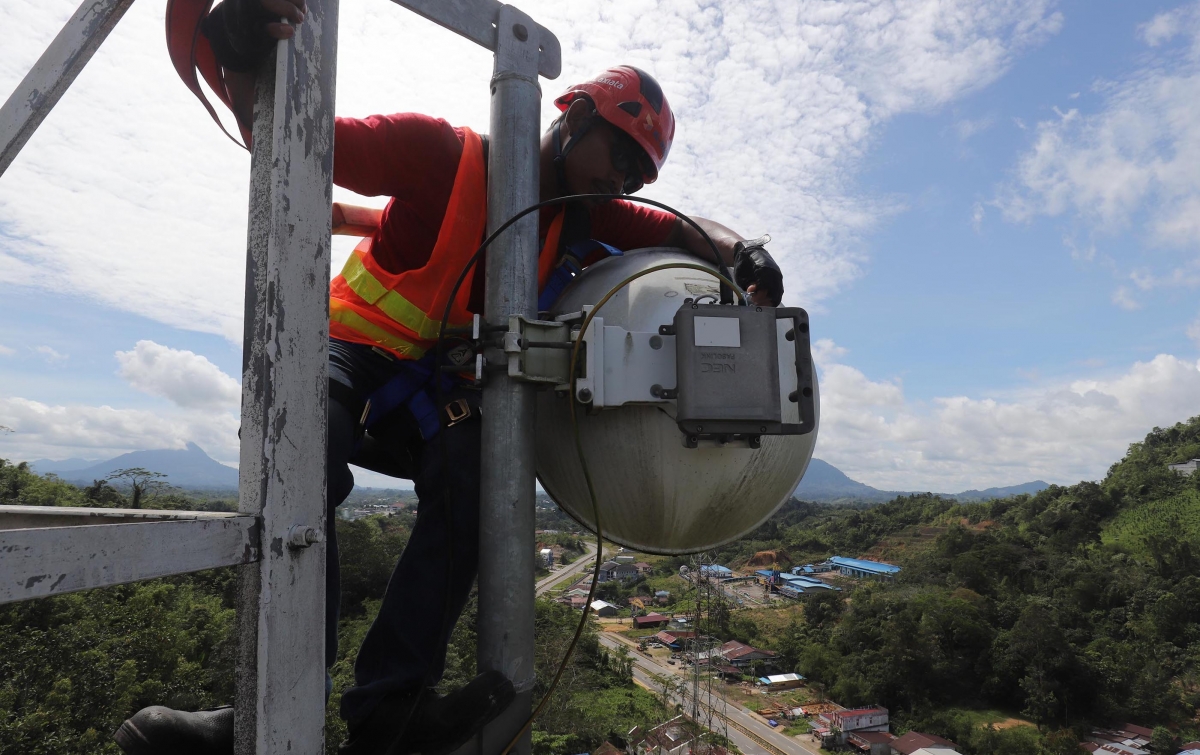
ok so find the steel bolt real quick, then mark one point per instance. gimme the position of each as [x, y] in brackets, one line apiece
[520, 32]
[585, 395]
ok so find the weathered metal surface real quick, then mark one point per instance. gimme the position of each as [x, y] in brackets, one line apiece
[56, 560]
[477, 21]
[281, 670]
[667, 498]
[506, 517]
[22, 517]
[48, 80]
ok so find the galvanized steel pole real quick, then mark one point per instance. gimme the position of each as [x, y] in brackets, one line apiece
[281, 606]
[506, 569]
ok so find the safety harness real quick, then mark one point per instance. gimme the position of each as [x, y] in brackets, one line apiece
[413, 385]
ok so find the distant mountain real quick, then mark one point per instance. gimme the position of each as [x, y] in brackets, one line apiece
[990, 493]
[185, 468]
[825, 483]
[50, 466]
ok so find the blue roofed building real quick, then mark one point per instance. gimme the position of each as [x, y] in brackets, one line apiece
[862, 568]
[716, 570]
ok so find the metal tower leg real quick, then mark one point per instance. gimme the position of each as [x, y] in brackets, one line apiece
[506, 544]
[281, 616]
[54, 72]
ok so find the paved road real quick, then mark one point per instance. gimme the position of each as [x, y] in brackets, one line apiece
[748, 731]
[581, 563]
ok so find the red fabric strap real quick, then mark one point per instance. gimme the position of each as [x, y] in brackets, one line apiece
[190, 51]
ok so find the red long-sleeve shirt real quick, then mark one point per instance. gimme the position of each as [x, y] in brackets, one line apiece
[413, 159]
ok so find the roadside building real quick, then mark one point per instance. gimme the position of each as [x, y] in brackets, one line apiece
[624, 559]
[643, 567]
[716, 571]
[781, 681]
[662, 597]
[610, 570]
[604, 608]
[674, 639]
[608, 748]
[1126, 739]
[916, 743]
[728, 673]
[871, 742]
[649, 620]
[1190, 748]
[874, 718]
[741, 655]
[861, 568]
[547, 557]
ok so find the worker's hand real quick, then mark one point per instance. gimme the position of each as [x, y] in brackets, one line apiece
[291, 10]
[244, 32]
[756, 271]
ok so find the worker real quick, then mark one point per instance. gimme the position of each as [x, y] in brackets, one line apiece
[613, 136]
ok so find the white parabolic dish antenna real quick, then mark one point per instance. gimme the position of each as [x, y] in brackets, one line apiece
[654, 494]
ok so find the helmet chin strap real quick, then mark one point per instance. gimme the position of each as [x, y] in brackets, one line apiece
[561, 151]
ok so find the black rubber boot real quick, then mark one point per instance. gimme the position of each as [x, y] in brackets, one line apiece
[161, 731]
[429, 724]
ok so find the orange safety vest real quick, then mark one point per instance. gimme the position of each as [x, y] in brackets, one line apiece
[402, 312]
[397, 312]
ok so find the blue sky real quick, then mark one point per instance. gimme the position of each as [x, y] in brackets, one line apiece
[988, 306]
[990, 207]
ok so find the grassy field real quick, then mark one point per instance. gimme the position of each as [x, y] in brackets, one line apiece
[1177, 516]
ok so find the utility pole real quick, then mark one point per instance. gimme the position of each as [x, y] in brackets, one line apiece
[506, 569]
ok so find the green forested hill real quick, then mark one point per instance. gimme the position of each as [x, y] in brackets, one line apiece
[73, 667]
[1136, 528]
[1076, 606]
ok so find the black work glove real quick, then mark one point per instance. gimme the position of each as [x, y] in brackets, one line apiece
[753, 265]
[237, 30]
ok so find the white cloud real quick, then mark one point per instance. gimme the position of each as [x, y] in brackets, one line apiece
[187, 379]
[1057, 432]
[6, 351]
[1130, 166]
[977, 215]
[45, 431]
[51, 355]
[966, 128]
[777, 102]
[1123, 299]
[1193, 332]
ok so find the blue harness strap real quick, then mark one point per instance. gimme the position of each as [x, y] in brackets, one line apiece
[571, 264]
[410, 386]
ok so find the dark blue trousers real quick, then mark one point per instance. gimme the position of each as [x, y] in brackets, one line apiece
[405, 648]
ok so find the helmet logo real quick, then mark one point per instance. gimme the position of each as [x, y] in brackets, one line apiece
[649, 124]
[611, 82]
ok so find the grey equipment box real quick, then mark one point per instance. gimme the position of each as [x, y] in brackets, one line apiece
[727, 367]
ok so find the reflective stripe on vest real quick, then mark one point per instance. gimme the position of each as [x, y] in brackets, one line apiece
[402, 312]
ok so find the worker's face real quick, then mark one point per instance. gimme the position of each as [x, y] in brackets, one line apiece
[605, 160]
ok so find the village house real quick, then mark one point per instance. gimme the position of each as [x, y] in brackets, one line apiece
[916, 743]
[610, 570]
[1127, 739]
[741, 655]
[649, 620]
[604, 608]
[674, 639]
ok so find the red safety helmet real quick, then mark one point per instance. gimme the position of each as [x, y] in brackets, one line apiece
[631, 100]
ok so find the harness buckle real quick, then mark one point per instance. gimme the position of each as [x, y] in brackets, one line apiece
[456, 411]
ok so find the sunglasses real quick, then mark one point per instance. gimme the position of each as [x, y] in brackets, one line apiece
[630, 159]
